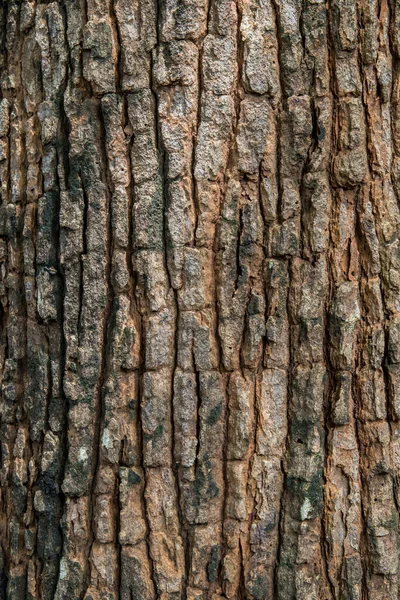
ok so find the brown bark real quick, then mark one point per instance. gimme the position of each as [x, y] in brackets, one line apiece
[200, 299]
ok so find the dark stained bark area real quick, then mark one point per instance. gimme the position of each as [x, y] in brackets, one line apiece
[200, 299]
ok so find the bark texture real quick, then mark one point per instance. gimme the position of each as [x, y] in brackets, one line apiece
[200, 299]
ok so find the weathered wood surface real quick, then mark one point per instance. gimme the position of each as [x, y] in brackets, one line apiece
[200, 299]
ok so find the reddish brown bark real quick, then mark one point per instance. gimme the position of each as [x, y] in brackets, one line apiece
[200, 299]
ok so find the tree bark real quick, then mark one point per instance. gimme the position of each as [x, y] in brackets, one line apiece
[200, 299]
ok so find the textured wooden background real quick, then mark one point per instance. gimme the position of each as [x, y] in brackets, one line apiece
[200, 298]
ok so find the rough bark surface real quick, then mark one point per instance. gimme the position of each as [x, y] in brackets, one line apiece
[200, 299]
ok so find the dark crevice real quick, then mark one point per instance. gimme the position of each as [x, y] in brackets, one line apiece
[106, 333]
[289, 394]
[83, 255]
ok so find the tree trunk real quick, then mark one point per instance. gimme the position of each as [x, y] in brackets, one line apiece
[200, 299]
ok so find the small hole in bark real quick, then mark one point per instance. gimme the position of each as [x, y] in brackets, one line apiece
[299, 441]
